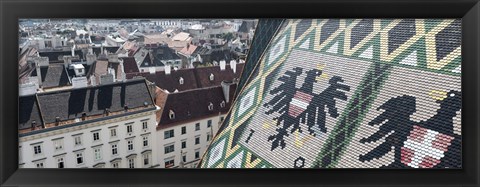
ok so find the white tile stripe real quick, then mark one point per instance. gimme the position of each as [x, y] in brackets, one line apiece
[236, 162]
[423, 149]
[246, 105]
[279, 48]
[299, 103]
[217, 151]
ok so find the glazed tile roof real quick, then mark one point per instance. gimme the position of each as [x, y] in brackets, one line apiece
[349, 93]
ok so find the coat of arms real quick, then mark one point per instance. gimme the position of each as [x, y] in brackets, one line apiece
[302, 105]
[425, 144]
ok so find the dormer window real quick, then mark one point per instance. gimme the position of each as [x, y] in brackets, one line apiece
[57, 121]
[180, 80]
[171, 114]
[210, 106]
[84, 116]
[222, 104]
[211, 76]
[34, 124]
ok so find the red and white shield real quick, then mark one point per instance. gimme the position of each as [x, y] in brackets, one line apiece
[299, 103]
[424, 148]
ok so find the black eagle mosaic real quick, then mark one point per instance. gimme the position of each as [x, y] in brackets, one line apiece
[349, 93]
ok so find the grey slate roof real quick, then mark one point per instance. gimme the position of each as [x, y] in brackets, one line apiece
[71, 104]
[246, 26]
[157, 54]
[54, 75]
[28, 112]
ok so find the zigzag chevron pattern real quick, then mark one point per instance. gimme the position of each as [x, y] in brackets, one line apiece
[356, 93]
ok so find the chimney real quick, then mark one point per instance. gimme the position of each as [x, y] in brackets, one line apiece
[112, 58]
[167, 69]
[151, 70]
[67, 60]
[73, 50]
[222, 65]
[90, 50]
[233, 65]
[40, 62]
[122, 68]
[39, 74]
[226, 89]
[91, 58]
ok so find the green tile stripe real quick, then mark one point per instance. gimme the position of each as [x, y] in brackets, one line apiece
[265, 31]
[419, 46]
[262, 161]
[353, 115]
[224, 150]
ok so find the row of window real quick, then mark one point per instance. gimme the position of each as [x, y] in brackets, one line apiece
[58, 143]
[171, 161]
[210, 108]
[80, 160]
[37, 149]
[171, 148]
[171, 133]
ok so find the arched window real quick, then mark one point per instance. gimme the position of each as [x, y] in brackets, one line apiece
[210, 106]
[172, 114]
[180, 80]
[212, 76]
[222, 104]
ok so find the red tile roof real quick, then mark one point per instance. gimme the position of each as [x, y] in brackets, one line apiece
[192, 78]
[193, 105]
[170, 82]
[203, 75]
[130, 65]
[188, 50]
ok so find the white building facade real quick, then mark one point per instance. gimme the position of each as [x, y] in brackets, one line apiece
[182, 145]
[126, 141]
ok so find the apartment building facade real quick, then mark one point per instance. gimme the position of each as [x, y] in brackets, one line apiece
[106, 126]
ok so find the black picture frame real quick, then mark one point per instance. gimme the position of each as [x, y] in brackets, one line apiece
[12, 10]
